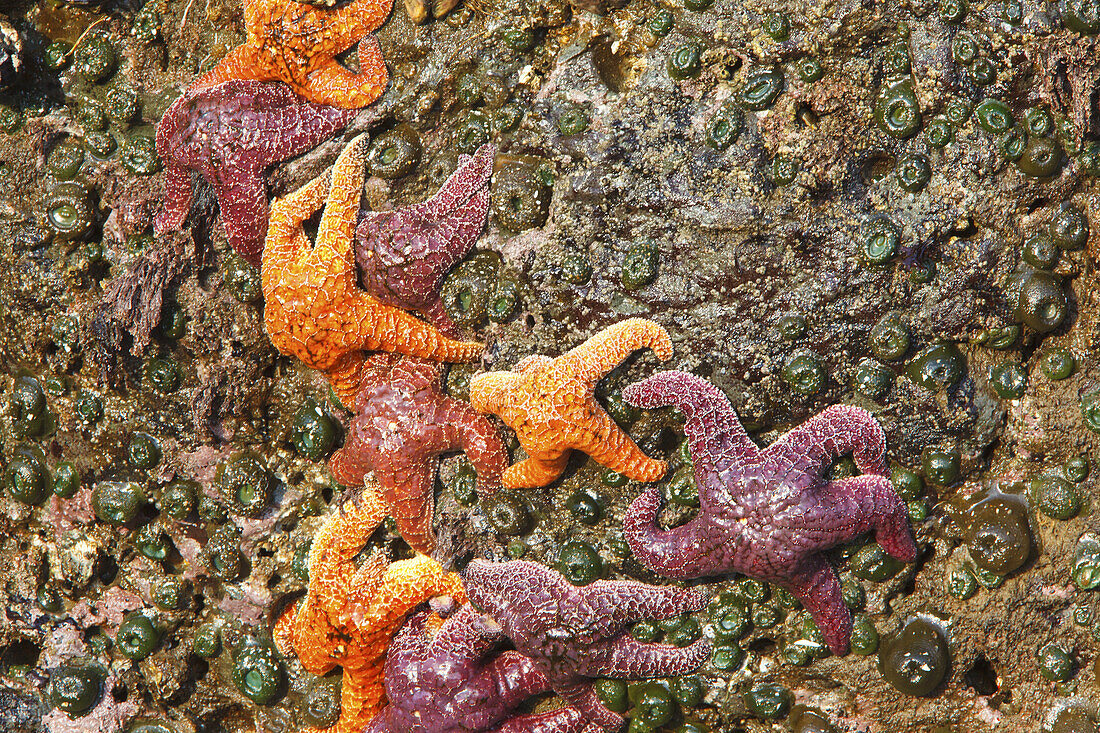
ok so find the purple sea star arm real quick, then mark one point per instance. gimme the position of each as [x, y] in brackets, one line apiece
[513, 678]
[632, 658]
[624, 602]
[462, 637]
[687, 551]
[817, 586]
[834, 431]
[582, 696]
[177, 198]
[860, 504]
[436, 314]
[715, 435]
[467, 429]
[470, 175]
[403, 255]
[244, 212]
[565, 720]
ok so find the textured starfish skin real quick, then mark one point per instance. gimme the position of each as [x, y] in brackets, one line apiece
[350, 613]
[404, 423]
[229, 134]
[314, 309]
[550, 405]
[767, 512]
[452, 683]
[576, 633]
[298, 43]
[404, 254]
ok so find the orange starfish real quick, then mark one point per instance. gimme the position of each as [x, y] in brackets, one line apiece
[297, 43]
[350, 613]
[550, 405]
[314, 308]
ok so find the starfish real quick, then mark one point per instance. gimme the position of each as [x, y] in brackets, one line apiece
[350, 613]
[767, 512]
[404, 254]
[229, 134]
[404, 423]
[452, 683]
[551, 406]
[297, 43]
[314, 309]
[576, 633]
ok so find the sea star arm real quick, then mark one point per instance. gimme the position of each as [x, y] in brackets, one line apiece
[624, 602]
[534, 472]
[614, 448]
[379, 723]
[340, 539]
[479, 439]
[491, 391]
[462, 636]
[177, 198]
[834, 431]
[860, 504]
[582, 696]
[473, 172]
[515, 678]
[362, 323]
[285, 240]
[361, 16]
[368, 577]
[593, 359]
[530, 363]
[407, 584]
[243, 202]
[336, 231]
[715, 436]
[362, 696]
[437, 315]
[686, 551]
[332, 84]
[240, 63]
[629, 657]
[817, 586]
[408, 487]
[564, 720]
[349, 467]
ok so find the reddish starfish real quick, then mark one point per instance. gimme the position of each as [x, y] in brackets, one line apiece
[313, 307]
[576, 633]
[404, 254]
[550, 405]
[229, 134]
[351, 612]
[297, 43]
[451, 683]
[767, 512]
[405, 422]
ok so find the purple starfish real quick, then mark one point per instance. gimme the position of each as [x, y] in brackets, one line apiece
[405, 422]
[229, 133]
[404, 254]
[452, 683]
[767, 512]
[573, 634]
